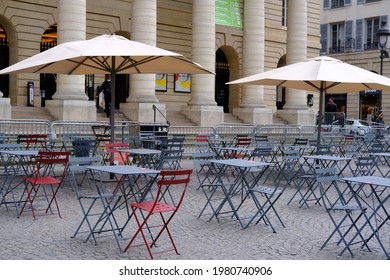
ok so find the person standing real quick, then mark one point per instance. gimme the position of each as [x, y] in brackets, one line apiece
[106, 88]
[330, 110]
[379, 120]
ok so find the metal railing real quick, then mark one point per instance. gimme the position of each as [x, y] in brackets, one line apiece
[11, 129]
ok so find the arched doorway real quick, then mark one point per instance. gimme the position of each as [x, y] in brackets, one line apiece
[47, 83]
[4, 61]
[281, 91]
[221, 78]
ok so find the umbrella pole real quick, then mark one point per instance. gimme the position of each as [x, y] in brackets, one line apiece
[112, 111]
[320, 114]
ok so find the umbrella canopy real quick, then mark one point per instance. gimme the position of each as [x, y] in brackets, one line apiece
[322, 74]
[106, 54]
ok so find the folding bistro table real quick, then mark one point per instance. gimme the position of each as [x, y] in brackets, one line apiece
[326, 161]
[377, 219]
[235, 188]
[146, 157]
[17, 164]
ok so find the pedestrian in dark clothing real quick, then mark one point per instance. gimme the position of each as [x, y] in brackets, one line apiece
[379, 120]
[106, 88]
[330, 110]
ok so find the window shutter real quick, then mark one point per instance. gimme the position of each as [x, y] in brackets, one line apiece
[326, 4]
[359, 34]
[348, 35]
[324, 39]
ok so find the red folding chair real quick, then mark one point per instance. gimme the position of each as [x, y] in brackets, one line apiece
[241, 142]
[172, 186]
[114, 148]
[42, 186]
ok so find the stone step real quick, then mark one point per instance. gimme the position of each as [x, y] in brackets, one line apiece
[24, 112]
[229, 118]
[177, 118]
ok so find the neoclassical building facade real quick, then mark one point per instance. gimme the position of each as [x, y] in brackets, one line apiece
[233, 38]
[349, 32]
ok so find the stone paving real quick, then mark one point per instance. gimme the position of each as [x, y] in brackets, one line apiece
[48, 237]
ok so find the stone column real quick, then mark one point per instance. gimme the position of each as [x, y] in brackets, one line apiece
[70, 101]
[142, 97]
[5, 107]
[295, 110]
[252, 108]
[202, 108]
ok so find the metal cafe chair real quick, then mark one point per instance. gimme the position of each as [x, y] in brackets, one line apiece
[341, 210]
[169, 159]
[265, 198]
[41, 188]
[154, 216]
[269, 155]
[84, 147]
[88, 197]
[113, 149]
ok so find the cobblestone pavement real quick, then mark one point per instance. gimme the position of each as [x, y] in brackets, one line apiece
[49, 237]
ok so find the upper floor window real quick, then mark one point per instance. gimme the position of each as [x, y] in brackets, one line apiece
[372, 26]
[284, 13]
[367, 1]
[337, 38]
[337, 3]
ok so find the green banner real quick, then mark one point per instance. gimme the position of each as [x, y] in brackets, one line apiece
[227, 12]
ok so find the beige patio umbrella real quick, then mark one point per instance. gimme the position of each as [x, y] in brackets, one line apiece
[322, 74]
[106, 54]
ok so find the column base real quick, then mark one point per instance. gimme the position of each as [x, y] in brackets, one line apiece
[5, 108]
[301, 117]
[143, 112]
[254, 115]
[204, 115]
[72, 110]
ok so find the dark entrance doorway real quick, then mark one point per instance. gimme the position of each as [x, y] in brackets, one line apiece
[4, 62]
[370, 104]
[48, 85]
[222, 77]
[121, 89]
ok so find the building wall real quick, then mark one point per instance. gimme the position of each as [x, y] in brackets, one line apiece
[367, 59]
[25, 21]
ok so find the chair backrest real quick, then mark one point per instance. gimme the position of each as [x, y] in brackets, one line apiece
[114, 148]
[49, 162]
[364, 166]
[324, 150]
[84, 147]
[175, 142]
[134, 141]
[78, 166]
[169, 183]
[300, 142]
[265, 154]
[242, 142]
[327, 180]
[376, 148]
[170, 159]
[290, 166]
[33, 141]
[201, 138]
[352, 151]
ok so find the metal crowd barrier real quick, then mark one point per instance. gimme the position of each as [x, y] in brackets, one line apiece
[10, 129]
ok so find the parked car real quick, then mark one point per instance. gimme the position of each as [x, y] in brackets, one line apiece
[353, 126]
